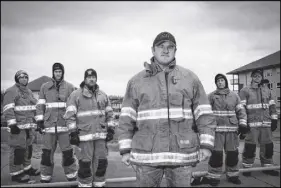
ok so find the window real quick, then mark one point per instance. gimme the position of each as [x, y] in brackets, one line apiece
[271, 86]
[278, 70]
[278, 85]
[278, 99]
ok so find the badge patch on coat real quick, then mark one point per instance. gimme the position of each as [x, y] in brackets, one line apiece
[175, 80]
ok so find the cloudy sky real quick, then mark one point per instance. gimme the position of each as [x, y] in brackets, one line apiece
[115, 38]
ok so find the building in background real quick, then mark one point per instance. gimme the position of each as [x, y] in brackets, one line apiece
[271, 70]
[36, 84]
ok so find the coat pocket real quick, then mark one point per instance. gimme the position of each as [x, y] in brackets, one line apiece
[187, 142]
[233, 120]
[143, 142]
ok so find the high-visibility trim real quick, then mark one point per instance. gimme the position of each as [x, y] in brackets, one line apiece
[274, 116]
[163, 114]
[111, 124]
[16, 173]
[213, 175]
[245, 165]
[84, 184]
[224, 113]
[108, 109]
[72, 126]
[202, 109]
[243, 102]
[267, 165]
[72, 175]
[25, 108]
[59, 129]
[257, 106]
[99, 184]
[27, 167]
[128, 111]
[27, 126]
[164, 157]
[94, 136]
[39, 118]
[226, 129]
[41, 101]
[125, 144]
[239, 106]
[71, 108]
[47, 178]
[232, 174]
[260, 124]
[242, 122]
[271, 102]
[11, 122]
[207, 139]
[90, 113]
[8, 106]
[55, 105]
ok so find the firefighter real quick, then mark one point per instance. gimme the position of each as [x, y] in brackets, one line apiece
[163, 106]
[89, 118]
[262, 120]
[50, 109]
[231, 118]
[19, 111]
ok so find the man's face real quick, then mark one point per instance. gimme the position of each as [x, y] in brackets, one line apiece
[90, 81]
[221, 83]
[23, 80]
[164, 52]
[257, 78]
[58, 74]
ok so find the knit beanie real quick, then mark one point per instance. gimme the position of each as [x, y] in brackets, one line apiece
[90, 72]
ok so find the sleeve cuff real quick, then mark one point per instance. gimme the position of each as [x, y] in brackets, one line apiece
[125, 151]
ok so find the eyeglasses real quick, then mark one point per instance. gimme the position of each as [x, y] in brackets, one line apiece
[23, 77]
[257, 76]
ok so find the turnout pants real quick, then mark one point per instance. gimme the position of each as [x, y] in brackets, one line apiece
[92, 157]
[20, 151]
[149, 176]
[229, 142]
[47, 160]
[263, 137]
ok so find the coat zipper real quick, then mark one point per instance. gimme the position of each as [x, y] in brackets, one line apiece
[168, 103]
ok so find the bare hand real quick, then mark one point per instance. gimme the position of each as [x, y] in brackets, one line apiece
[204, 154]
[126, 159]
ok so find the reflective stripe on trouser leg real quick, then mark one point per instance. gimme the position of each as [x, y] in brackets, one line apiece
[231, 163]
[100, 163]
[69, 162]
[215, 165]
[47, 158]
[16, 161]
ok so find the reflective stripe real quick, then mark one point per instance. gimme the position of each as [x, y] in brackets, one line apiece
[112, 124]
[257, 106]
[11, 122]
[239, 106]
[84, 184]
[27, 167]
[163, 113]
[25, 108]
[164, 157]
[224, 113]
[207, 139]
[242, 122]
[45, 177]
[260, 124]
[226, 129]
[271, 102]
[245, 165]
[41, 101]
[39, 117]
[108, 109]
[72, 126]
[99, 184]
[90, 113]
[52, 129]
[243, 102]
[56, 105]
[94, 136]
[71, 108]
[72, 175]
[125, 144]
[202, 109]
[274, 116]
[213, 176]
[16, 173]
[8, 106]
[232, 174]
[267, 165]
[27, 126]
[128, 111]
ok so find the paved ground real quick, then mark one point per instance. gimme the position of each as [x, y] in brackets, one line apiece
[117, 170]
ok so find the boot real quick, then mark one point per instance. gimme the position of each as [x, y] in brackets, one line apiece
[21, 178]
[214, 182]
[271, 172]
[204, 180]
[234, 180]
[45, 181]
[32, 172]
[247, 174]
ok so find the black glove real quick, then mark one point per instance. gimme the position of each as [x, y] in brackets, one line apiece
[40, 127]
[74, 138]
[242, 136]
[273, 124]
[243, 130]
[110, 134]
[15, 129]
